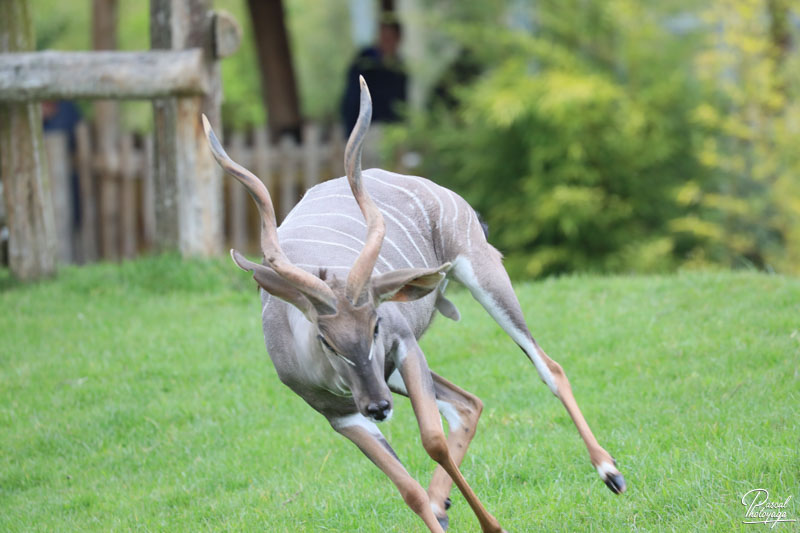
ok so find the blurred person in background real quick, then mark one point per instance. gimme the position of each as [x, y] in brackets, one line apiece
[64, 116]
[384, 72]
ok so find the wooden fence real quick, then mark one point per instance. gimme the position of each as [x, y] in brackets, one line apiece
[179, 75]
[109, 213]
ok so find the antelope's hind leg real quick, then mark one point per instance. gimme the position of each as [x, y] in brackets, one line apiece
[366, 435]
[486, 278]
[462, 410]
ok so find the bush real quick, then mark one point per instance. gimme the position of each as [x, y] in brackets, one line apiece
[574, 162]
[612, 136]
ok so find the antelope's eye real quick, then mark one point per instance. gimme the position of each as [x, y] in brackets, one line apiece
[325, 343]
[377, 323]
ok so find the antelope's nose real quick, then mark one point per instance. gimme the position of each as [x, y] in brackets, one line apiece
[380, 410]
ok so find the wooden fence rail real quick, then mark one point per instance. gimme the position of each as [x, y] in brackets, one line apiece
[112, 215]
[180, 75]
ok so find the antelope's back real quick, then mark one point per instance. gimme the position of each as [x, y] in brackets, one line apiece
[326, 229]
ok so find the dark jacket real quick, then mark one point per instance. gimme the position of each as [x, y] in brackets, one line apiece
[387, 85]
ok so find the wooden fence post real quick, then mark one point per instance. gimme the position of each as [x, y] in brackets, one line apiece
[23, 168]
[106, 135]
[288, 175]
[58, 161]
[148, 195]
[188, 182]
[312, 155]
[263, 156]
[336, 152]
[129, 172]
[238, 201]
[88, 194]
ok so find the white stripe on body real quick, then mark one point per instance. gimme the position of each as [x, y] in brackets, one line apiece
[363, 224]
[335, 195]
[385, 239]
[408, 236]
[317, 215]
[315, 241]
[408, 193]
[463, 271]
[451, 195]
[313, 267]
[470, 216]
[328, 228]
[441, 207]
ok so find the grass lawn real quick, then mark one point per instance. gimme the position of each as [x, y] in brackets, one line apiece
[140, 397]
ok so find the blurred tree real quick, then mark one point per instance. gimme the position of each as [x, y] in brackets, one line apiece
[276, 67]
[747, 130]
[576, 137]
[321, 39]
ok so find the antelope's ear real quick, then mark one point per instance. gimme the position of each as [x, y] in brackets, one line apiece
[407, 284]
[270, 281]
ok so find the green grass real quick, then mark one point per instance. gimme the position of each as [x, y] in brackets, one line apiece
[140, 397]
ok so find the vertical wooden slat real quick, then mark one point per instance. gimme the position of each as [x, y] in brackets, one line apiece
[127, 199]
[263, 166]
[336, 152]
[58, 161]
[106, 130]
[106, 165]
[148, 199]
[163, 29]
[263, 157]
[237, 214]
[288, 175]
[312, 155]
[88, 194]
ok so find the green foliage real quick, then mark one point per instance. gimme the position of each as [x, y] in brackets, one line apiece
[320, 44]
[572, 142]
[322, 49]
[139, 397]
[747, 129]
[621, 136]
[242, 103]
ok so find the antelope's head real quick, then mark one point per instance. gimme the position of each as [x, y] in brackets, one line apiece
[343, 314]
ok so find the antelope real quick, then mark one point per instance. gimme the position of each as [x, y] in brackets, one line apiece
[345, 301]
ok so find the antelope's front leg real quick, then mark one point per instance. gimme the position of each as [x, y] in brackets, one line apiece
[366, 435]
[419, 383]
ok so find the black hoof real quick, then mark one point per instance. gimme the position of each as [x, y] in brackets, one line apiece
[616, 483]
[444, 522]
